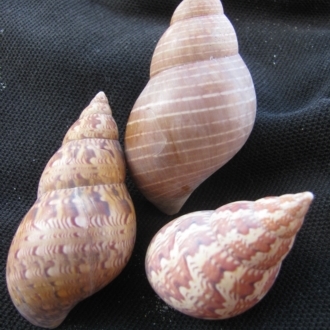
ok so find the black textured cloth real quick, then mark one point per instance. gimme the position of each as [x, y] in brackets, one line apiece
[56, 55]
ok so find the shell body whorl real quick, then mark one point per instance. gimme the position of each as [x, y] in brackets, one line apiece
[217, 264]
[80, 232]
[197, 109]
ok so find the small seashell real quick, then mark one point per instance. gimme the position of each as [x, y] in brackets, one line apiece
[218, 264]
[197, 110]
[80, 232]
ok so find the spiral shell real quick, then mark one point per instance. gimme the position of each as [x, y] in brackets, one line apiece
[80, 232]
[197, 109]
[217, 264]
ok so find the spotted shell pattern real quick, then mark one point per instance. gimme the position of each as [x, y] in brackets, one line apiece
[197, 109]
[80, 232]
[217, 264]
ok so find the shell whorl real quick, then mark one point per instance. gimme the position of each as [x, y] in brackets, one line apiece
[95, 121]
[197, 110]
[89, 149]
[217, 264]
[80, 232]
[202, 32]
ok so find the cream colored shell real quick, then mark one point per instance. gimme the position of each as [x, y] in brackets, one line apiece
[80, 232]
[196, 111]
[217, 264]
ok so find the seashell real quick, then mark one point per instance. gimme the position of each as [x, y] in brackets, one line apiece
[218, 264]
[80, 232]
[197, 109]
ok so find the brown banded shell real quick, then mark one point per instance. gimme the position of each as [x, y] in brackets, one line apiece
[218, 264]
[80, 232]
[197, 109]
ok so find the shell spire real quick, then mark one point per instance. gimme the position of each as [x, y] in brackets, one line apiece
[197, 110]
[95, 121]
[192, 8]
[80, 232]
[217, 264]
[202, 32]
[85, 158]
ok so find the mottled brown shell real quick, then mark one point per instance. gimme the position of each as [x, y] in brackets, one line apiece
[197, 110]
[80, 232]
[217, 264]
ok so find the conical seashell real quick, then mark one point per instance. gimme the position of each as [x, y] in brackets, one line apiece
[197, 110]
[217, 264]
[80, 232]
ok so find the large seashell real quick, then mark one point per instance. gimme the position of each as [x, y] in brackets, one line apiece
[196, 111]
[79, 234]
[217, 264]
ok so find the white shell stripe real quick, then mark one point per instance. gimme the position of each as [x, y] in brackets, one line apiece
[218, 155]
[193, 177]
[197, 8]
[187, 140]
[223, 50]
[183, 127]
[198, 97]
[189, 87]
[215, 18]
[161, 53]
[203, 69]
[196, 37]
[188, 112]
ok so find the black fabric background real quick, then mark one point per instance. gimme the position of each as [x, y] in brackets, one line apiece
[56, 55]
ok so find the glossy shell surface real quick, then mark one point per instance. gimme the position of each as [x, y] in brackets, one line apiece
[80, 232]
[217, 264]
[197, 110]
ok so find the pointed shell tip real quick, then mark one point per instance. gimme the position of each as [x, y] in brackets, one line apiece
[100, 97]
[306, 197]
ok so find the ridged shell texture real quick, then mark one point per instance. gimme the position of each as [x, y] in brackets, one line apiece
[217, 264]
[197, 109]
[80, 232]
